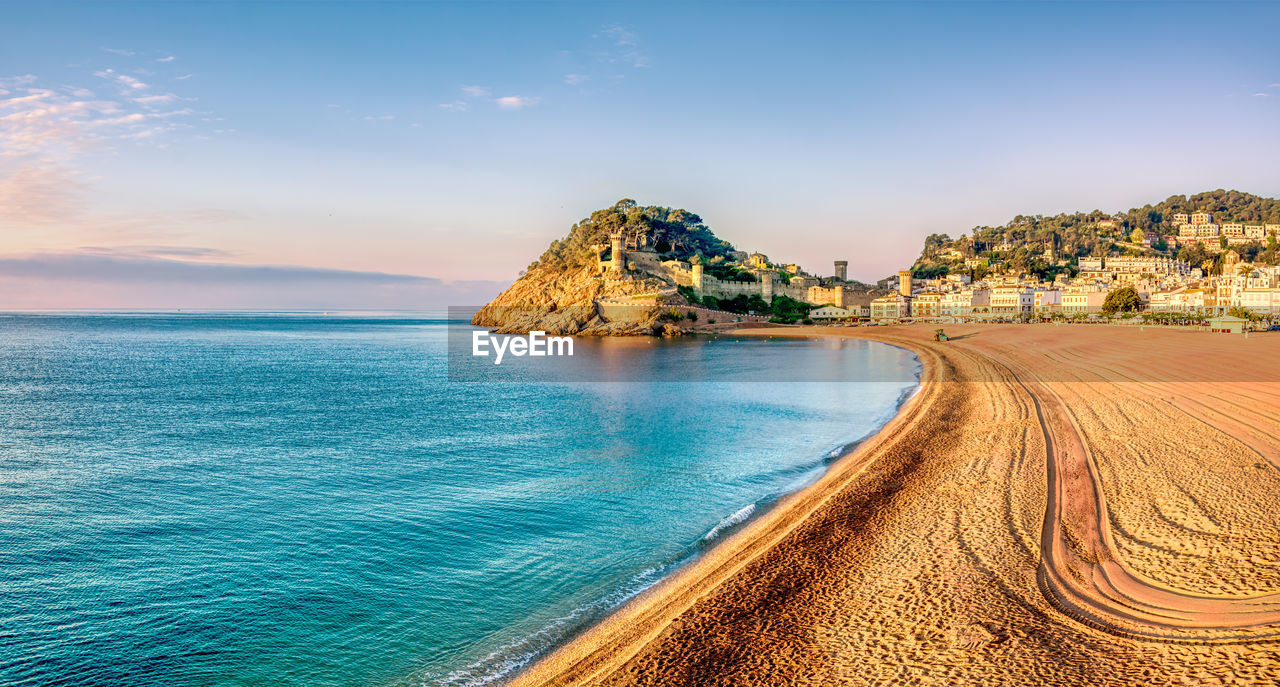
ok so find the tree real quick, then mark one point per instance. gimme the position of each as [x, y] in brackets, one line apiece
[933, 242]
[1137, 236]
[1242, 313]
[1123, 299]
[929, 271]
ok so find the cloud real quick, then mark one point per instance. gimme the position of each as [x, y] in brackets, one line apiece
[129, 268]
[621, 36]
[166, 59]
[626, 46]
[1259, 95]
[476, 91]
[184, 77]
[121, 51]
[44, 130]
[459, 105]
[123, 80]
[155, 99]
[50, 125]
[144, 251]
[516, 102]
[378, 118]
[89, 279]
[41, 194]
[575, 79]
[18, 81]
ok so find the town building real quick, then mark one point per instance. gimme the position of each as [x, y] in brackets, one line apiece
[1011, 301]
[1083, 300]
[926, 304]
[891, 307]
[832, 312]
[1046, 301]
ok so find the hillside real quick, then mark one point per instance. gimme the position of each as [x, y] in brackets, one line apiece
[557, 291]
[1047, 245]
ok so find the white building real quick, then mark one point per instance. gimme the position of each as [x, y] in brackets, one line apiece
[831, 312]
[1011, 301]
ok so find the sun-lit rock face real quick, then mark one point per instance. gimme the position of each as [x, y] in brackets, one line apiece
[562, 300]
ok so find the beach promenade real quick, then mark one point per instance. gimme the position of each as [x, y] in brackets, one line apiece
[1059, 505]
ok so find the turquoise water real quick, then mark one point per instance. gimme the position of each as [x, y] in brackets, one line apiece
[308, 500]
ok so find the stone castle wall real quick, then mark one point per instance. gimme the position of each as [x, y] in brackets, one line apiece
[768, 287]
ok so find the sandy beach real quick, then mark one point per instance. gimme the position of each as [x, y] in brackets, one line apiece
[1059, 505]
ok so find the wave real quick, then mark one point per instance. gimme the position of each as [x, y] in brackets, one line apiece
[739, 517]
[503, 662]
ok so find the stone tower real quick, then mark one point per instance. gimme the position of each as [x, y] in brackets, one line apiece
[617, 252]
[697, 278]
[766, 287]
[842, 270]
[904, 283]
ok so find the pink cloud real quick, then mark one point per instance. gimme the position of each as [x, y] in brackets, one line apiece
[42, 133]
[516, 102]
[41, 194]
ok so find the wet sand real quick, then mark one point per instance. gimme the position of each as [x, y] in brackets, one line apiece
[1059, 505]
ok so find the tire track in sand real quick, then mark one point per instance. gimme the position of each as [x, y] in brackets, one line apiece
[1080, 573]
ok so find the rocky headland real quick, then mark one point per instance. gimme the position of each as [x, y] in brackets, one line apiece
[645, 270]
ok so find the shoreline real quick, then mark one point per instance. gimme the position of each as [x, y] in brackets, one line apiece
[1046, 509]
[640, 619]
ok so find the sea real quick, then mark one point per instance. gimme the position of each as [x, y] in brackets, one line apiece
[321, 499]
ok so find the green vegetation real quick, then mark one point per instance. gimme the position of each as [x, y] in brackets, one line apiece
[1243, 313]
[678, 234]
[788, 310]
[1122, 300]
[1035, 243]
[726, 272]
[783, 309]
[737, 304]
[670, 315]
[929, 271]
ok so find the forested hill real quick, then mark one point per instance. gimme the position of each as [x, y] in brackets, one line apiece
[557, 292]
[1045, 245]
[677, 234]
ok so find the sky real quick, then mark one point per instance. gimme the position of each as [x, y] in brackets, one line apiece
[419, 155]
